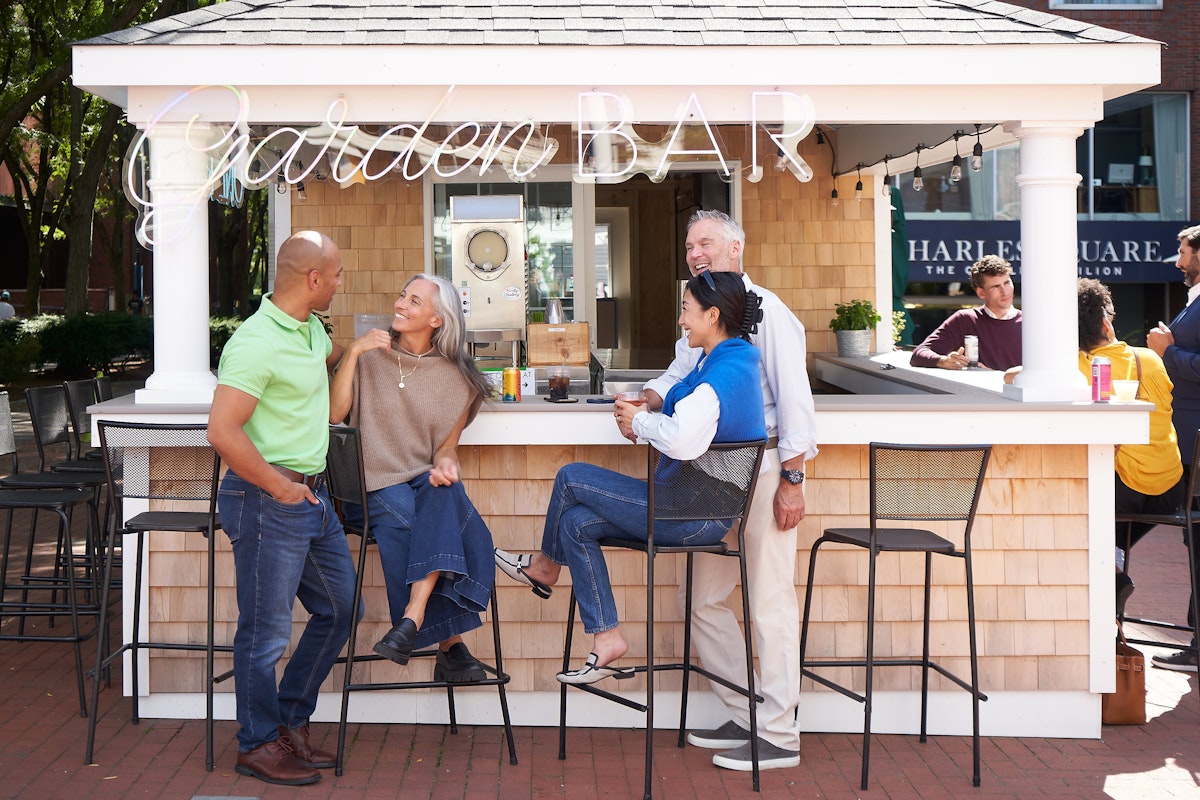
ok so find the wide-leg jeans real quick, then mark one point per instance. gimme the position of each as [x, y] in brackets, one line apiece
[282, 552]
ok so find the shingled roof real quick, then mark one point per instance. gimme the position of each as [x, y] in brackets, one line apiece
[686, 23]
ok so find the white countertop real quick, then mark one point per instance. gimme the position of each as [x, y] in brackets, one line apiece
[933, 407]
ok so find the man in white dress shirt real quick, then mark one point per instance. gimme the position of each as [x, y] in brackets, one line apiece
[715, 242]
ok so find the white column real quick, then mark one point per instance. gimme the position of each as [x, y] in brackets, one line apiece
[178, 173]
[1049, 261]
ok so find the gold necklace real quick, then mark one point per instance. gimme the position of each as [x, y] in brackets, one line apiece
[400, 366]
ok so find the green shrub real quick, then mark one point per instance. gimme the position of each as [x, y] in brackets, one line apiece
[219, 331]
[84, 343]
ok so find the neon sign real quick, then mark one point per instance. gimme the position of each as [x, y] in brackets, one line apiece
[608, 149]
[611, 152]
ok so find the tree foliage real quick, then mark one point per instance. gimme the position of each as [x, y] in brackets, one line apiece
[63, 148]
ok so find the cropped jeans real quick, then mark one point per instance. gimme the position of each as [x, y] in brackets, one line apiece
[590, 503]
[282, 552]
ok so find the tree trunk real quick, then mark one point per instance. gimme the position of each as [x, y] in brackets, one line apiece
[82, 212]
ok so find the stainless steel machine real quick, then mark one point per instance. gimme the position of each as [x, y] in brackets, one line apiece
[487, 251]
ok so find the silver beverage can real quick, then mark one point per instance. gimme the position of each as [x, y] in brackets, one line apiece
[971, 346]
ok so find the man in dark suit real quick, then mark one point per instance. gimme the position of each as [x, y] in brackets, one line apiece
[1179, 346]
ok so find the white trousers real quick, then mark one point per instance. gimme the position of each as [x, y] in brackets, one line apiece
[774, 610]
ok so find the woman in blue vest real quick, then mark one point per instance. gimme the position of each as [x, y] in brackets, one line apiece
[719, 401]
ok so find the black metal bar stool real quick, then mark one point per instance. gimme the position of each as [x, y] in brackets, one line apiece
[910, 483]
[720, 485]
[160, 468]
[347, 485]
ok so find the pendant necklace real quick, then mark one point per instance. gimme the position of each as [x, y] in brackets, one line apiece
[400, 366]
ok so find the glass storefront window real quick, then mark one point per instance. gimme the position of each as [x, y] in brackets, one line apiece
[1134, 165]
[1134, 162]
[549, 224]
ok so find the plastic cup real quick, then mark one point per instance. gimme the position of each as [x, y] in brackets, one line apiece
[637, 398]
[559, 380]
[1125, 391]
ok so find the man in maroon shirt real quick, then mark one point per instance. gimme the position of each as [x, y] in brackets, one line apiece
[996, 323]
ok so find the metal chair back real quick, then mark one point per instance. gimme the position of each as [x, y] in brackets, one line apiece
[80, 395]
[185, 466]
[716, 485]
[51, 420]
[8, 437]
[926, 483]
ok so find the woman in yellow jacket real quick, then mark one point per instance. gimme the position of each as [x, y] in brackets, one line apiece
[1149, 476]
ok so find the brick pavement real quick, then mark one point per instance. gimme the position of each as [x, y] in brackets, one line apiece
[42, 742]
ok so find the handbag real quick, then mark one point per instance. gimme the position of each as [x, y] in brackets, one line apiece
[1126, 705]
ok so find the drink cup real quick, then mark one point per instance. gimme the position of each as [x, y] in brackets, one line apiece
[559, 380]
[637, 398]
[1125, 391]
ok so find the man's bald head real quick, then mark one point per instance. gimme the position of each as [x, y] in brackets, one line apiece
[301, 253]
[308, 271]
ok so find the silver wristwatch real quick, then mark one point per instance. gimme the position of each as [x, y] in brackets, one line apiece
[793, 476]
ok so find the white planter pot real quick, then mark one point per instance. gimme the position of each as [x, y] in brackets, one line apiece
[854, 344]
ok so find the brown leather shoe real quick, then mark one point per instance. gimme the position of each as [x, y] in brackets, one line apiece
[271, 762]
[297, 743]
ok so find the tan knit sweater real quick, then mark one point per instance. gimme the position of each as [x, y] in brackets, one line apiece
[402, 428]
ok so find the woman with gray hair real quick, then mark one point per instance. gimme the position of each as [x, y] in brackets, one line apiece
[411, 392]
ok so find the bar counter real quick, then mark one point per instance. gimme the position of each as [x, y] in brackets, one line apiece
[1042, 539]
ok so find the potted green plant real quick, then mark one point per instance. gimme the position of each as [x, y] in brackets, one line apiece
[853, 323]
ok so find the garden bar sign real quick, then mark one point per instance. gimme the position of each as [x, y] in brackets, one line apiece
[607, 149]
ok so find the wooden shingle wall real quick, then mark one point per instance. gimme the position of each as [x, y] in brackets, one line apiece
[1030, 573]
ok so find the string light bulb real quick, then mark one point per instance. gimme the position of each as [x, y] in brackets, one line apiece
[833, 198]
[977, 152]
[918, 179]
[858, 184]
[301, 195]
[956, 165]
[886, 189]
[280, 185]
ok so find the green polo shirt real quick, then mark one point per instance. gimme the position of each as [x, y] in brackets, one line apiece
[281, 362]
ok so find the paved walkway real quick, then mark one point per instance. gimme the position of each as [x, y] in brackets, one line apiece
[42, 742]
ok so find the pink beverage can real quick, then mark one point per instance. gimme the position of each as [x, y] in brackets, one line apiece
[1101, 380]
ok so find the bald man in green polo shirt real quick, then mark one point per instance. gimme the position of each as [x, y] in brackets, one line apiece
[269, 422]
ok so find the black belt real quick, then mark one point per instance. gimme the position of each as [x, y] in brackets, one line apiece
[311, 481]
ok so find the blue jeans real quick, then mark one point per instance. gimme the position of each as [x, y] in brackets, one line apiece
[590, 503]
[282, 552]
[420, 529]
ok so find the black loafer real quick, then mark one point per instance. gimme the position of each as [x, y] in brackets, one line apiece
[457, 665]
[397, 644]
